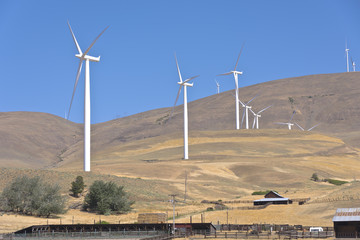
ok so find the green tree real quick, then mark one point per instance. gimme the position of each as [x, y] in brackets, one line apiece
[107, 198]
[33, 197]
[314, 177]
[77, 187]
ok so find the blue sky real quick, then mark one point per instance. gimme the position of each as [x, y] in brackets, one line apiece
[137, 70]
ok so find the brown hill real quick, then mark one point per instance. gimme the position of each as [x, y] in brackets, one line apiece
[39, 139]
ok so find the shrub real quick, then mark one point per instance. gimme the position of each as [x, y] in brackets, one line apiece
[33, 197]
[314, 177]
[107, 198]
[261, 192]
[335, 182]
[77, 187]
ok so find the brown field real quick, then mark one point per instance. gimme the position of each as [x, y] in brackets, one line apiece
[226, 165]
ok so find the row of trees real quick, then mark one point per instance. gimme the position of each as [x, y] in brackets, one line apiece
[33, 196]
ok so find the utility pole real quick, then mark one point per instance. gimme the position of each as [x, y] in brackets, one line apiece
[185, 185]
[173, 203]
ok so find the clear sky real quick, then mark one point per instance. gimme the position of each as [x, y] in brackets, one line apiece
[137, 70]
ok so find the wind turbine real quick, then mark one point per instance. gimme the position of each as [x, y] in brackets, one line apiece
[288, 123]
[236, 73]
[353, 64]
[347, 57]
[217, 86]
[246, 112]
[184, 84]
[309, 128]
[84, 57]
[256, 117]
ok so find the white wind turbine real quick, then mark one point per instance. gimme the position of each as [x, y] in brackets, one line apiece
[246, 108]
[84, 57]
[353, 64]
[257, 115]
[309, 128]
[347, 57]
[290, 124]
[217, 87]
[236, 73]
[184, 84]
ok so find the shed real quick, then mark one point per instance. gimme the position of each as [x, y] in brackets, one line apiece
[272, 197]
[347, 223]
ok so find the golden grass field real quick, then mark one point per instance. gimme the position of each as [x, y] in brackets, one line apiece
[226, 165]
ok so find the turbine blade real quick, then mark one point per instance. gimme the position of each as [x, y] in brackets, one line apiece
[177, 97]
[281, 123]
[92, 44]
[251, 99]
[75, 85]
[264, 109]
[252, 111]
[292, 116]
[225, 74]
[254, 122]
[313, 127]
[177, 65]
[299, 126]
[74, 38]
[189, 79]
[237, 61]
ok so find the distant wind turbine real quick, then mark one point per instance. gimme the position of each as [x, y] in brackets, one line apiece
[84, 57]
[256, 117]
[217, 86]
[246, 112]
[184, 84]
[347, 57]
[308, 129]
[290, 124]
[236, 73]
[353, 65]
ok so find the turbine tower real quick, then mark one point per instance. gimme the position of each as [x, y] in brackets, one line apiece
[256, 117]
[84, 57]
[184, 84]
[217, 87]
[347, 57]
[290, 124]
[236, 73]
[353, 64]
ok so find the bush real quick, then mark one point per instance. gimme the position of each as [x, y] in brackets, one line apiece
[77, 187]
[335, 182]
[261, 192]
[33, 197]
[314, 177]
[107, 198]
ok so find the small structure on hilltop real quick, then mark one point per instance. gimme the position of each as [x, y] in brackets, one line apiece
[272, 197]
[347, 223]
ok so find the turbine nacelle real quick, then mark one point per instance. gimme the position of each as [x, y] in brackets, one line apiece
[186, 84]
[91, 58]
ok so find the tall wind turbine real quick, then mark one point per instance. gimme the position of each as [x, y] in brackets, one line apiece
[217, 87]
[184, 84]
[256, 117]
[347, 57]
[290, 124]
[84, 57]
[236, 73]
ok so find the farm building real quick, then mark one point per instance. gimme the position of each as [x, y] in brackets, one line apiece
[347, 223]
[272, 197]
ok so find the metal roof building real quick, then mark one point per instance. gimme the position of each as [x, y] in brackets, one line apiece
[347, 223]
